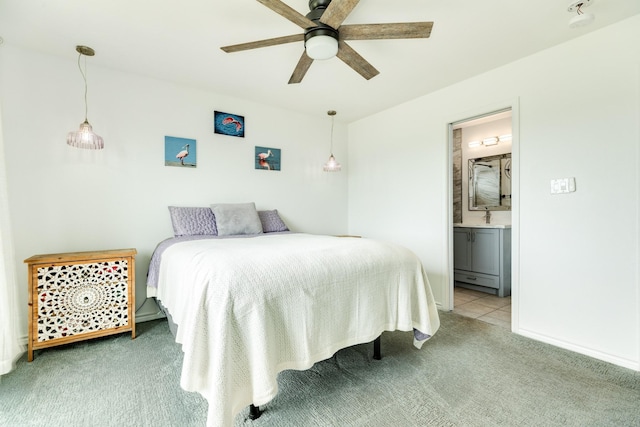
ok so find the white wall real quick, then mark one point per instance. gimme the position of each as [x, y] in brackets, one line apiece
[64, 199]
[578, 115]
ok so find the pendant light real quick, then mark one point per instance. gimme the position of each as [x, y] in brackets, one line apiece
[332, 164]
[85, 137]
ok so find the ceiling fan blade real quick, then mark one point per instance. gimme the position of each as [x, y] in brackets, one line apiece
[355, 61]
[263, 43]
[337, 11]
[289, 13]
[301, 69]
[408, 30]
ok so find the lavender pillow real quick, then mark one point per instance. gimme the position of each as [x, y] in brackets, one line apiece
[192, 221]
[236, 218]
[271, 221]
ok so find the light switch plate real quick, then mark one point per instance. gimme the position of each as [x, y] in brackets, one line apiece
[563, 185]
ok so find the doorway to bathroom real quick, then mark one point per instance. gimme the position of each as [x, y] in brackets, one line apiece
[482, 190]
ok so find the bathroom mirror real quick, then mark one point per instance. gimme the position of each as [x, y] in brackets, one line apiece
[490, 183]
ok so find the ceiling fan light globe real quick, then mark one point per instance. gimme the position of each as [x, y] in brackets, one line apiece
[321, 47]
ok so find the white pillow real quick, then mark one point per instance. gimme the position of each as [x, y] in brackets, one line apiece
[236, 218]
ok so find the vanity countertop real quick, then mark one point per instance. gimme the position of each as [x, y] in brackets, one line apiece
[483, 225]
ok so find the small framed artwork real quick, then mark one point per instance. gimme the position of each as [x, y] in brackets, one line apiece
[267, 158]
[179, 152]
[228, 124]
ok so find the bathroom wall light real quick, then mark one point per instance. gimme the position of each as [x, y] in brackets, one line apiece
[490, 141]
[474, 144]
[85, 137]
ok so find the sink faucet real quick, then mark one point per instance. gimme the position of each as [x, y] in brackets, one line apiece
[487, 216]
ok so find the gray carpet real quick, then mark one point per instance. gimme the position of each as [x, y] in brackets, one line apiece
[469, 374]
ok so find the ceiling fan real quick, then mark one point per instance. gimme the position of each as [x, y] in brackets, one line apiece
[324, 35]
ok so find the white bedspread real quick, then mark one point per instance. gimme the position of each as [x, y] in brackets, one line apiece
[247, 309]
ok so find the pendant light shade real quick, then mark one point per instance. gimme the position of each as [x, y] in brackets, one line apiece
[332, 164]
[85, 137]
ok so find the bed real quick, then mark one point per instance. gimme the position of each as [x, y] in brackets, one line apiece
[250, 305]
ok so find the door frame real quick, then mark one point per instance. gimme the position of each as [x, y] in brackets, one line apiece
[485, 111]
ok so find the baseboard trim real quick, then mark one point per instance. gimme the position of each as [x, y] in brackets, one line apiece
[149, 316]
[625, 363]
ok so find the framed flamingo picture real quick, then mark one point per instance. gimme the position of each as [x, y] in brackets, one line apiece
[267, 158]
[228, 124]
[180, 152]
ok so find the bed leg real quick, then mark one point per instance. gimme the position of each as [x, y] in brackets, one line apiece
[377, 355]
[254, 412]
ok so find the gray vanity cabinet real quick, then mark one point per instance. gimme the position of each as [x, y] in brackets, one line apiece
[482, 259]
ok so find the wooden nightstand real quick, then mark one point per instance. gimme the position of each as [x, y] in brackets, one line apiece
[80, 295]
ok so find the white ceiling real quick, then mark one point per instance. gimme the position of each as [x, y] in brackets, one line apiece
[179, 41]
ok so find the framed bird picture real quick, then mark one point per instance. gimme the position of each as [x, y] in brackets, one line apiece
[228, 124]
[267, 158]
[180, 152]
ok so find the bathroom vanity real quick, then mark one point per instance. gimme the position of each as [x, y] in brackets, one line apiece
[482, 258]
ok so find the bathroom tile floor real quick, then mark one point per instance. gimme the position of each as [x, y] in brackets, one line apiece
[482, 306]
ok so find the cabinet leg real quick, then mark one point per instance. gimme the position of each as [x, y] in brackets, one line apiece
[133, 319]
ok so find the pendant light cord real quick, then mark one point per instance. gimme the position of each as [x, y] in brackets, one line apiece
[332, 165]
[84, 77]
[332, 135]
